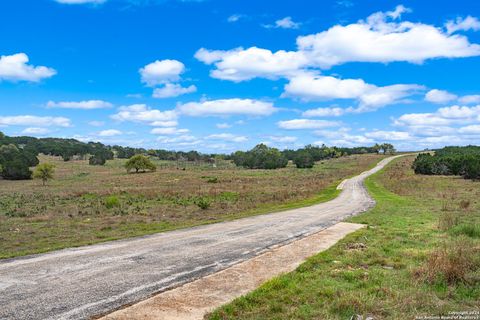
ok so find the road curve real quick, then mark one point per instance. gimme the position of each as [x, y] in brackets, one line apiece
[79, 283]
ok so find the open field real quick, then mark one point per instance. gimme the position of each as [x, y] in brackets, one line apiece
[420, 255]
[87, 204]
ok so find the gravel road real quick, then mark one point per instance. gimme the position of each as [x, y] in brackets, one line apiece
[80, 283]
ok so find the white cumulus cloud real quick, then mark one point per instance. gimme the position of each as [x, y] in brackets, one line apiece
[464, 24]
[239, 64]
[37, 121]
[16, 68]
[168, 131]
[380, 135]
[171, 90]
[471, 129]
[285, 23]
[223, 125]
[35, 131]
[470, 99]
[227, 137]
[161, 72]
[301, 124]
[226, 107]
[143, 113]
[379, 38]
[326, 112]
[310, 87]
[439, 96]
[283, 139]
[109, 133]
[85, 105]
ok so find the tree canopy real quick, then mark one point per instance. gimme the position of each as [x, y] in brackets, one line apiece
[260, 157]
[139, 163]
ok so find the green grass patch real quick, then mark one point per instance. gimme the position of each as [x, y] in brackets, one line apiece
[470, 230]
[386, 276]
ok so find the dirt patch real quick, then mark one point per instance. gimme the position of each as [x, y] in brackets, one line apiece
[193, 300]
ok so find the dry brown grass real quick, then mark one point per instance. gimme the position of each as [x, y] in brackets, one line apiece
[452, 262]
[75, 207]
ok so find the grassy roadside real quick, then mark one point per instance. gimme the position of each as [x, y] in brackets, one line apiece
[418, 256]
[72, 210]
[140, 228]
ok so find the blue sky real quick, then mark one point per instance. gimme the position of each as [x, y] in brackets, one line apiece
[218, 76]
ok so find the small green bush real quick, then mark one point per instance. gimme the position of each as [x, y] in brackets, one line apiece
[112, 201]
[212, 180]
[303, 159]
[97, 160]
[203, 203]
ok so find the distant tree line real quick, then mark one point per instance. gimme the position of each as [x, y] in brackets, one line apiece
[264, 157]
[128, 152]
[459, 161]
[19, 154]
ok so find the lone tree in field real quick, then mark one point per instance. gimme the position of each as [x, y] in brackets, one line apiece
[387, 148]
[138, 163]
[44, 171]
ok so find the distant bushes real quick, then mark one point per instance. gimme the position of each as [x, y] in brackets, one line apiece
[260, 157]
[18, 154]
[264, 157]
[100, 157]
[459, 161]
[15, 163]
[303, 159]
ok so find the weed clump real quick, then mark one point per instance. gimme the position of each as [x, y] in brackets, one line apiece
[470, 230]
[452, 263]
[111, 202]
[212, 180]
[448, 220]
[203, 203]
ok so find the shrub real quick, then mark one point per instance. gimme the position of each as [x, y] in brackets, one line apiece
[97, 160]
[472, 168]
[451, 263]
[464, 204]
[470, 230]
[212, 180]
[203, 203]
[112, 201]
[15, 164]
[448, 220]
[139, 163]
[44, 172]
[303, 159]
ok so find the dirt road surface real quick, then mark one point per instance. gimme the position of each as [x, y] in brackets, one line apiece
[79, 283]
